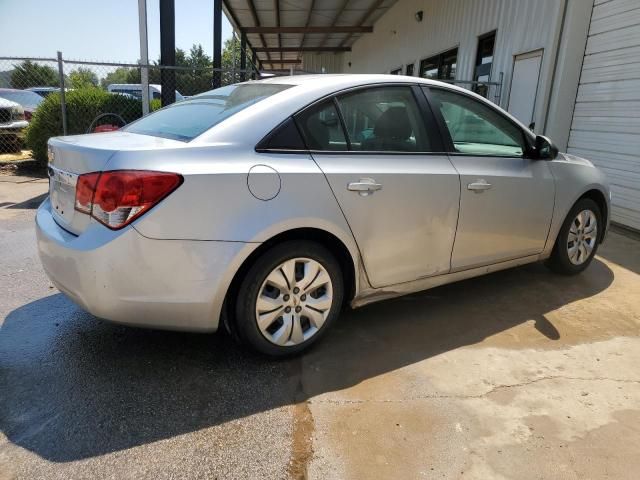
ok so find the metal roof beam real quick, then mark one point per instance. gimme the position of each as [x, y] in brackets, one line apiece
[302, 49]
[340, 29]
[295, 61]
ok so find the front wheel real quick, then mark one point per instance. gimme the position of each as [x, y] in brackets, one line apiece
[288, 298]
[577, 241]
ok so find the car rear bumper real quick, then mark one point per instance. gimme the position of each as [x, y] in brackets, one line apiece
[127, 278]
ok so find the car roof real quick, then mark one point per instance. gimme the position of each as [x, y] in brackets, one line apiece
[342, 81]
[343, 78]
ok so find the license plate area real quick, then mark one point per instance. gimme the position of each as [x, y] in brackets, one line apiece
[62, 192]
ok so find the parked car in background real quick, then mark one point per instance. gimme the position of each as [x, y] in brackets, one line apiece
[12, 123]
[44, 91]
[27, 99]
[265, 206]
[135, 89]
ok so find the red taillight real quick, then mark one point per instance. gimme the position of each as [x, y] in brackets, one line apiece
[117, 198]
[84, 191]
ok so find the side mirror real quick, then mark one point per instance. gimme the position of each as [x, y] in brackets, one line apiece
[545, 149]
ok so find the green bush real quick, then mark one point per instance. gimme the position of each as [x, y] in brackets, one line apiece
[83, 106]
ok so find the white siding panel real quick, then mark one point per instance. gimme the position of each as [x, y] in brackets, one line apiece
[615, 22]
[609, 91]
[610, 110]
[612, 40]
[621, 6]
[607, 124]
[606, 121]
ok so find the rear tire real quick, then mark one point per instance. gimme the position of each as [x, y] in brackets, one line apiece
[289, 298]
[577, 242]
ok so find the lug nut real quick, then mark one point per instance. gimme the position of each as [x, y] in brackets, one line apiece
[303, 297]
[298, 309]
[287, 310]
[285, 298]
[296, 290]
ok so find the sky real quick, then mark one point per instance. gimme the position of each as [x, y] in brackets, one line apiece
[99, 30]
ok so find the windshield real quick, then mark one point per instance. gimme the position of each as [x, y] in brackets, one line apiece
[27, 99]
[189, 118]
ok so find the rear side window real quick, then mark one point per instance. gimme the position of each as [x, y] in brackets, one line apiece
[285, 137]
[321, 127]
[384, 119]
[187, 119]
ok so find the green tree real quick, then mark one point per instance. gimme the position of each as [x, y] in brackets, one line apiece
[119, 75]
[231, 61]
[83, 78]
[29, 74]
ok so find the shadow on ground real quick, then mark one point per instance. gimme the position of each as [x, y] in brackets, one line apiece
[75, 387]
[30, 204]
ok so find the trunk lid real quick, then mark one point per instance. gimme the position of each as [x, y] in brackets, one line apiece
[71, 156]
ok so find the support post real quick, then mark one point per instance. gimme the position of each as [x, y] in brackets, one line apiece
[217, 43]
[144, 55]
[167, 51]
[254, 62]
[63, 101]
[243, 56]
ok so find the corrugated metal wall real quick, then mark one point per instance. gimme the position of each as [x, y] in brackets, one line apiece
[322, 62]
[606, 122]
[522, 26]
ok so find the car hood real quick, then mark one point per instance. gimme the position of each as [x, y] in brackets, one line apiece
[4, 103]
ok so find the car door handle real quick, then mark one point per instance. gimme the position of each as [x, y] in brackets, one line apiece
[479, 186]
[364, 186]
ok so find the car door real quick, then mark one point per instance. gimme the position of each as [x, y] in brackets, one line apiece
[506, 199]
[383, 159]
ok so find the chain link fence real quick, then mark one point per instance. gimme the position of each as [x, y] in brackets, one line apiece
[45, 97]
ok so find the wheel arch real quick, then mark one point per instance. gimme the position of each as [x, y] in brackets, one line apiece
[335, 245]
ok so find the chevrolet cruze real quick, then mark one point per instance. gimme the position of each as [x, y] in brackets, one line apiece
[266, 206]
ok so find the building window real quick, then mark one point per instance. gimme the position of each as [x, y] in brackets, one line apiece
[484, 61]
[440, 67]
[409, 70]
[397, 71]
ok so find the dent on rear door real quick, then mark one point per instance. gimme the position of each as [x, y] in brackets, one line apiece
[406, 230]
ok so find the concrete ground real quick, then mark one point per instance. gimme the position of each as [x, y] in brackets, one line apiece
[520, 374]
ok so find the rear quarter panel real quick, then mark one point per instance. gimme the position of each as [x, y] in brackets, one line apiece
[215, 203]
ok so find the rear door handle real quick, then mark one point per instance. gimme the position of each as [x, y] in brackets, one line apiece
[364, 186]
[479, 186]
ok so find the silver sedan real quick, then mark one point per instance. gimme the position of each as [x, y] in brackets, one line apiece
[268, 206]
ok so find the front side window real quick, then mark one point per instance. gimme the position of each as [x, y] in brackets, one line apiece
[384, 119]
[320, 125]
[187, 119]
[477, 129]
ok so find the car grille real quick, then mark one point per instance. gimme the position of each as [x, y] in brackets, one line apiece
[5, 115]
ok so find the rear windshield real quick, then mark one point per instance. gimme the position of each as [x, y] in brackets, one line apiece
[187, 119]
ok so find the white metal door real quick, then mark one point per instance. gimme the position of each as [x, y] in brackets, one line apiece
[606, 119]
[524, 86]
